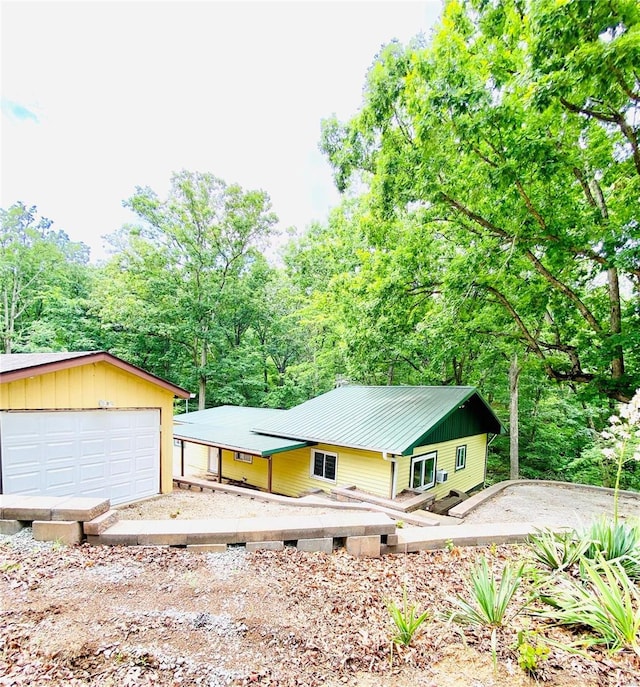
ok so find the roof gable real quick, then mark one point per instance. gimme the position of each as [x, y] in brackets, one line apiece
[393, 419]
[14, 366]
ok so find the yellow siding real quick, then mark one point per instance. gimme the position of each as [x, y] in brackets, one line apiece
[255, 473]
[196, 459]
[464, 480]
[365, 469]
[83, 387]
[403, 466]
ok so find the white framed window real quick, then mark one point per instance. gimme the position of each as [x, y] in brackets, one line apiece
[324, 465]
[461, 457]
[423, 470]
[243, 457]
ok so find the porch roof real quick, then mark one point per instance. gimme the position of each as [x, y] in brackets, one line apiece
[229, 427]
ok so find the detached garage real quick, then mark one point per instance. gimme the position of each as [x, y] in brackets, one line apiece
[84, 424]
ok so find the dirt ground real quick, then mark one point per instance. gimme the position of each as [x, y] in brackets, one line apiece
[164, 616]
[143, 616]
[184, 504]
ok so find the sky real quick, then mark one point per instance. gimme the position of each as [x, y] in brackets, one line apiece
[100, 97]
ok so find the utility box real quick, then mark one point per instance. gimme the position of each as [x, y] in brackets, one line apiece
[442, 476]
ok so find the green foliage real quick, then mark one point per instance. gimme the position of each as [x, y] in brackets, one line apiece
[405, 619]
[490, 598]
[498, 191]
[532, 651]
[557, 550]
[181, 290]
[607, 602]
[44, 285]
[615, 540]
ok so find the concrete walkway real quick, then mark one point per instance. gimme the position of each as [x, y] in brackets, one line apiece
[411, 539]
[243, 530]
[363, 529]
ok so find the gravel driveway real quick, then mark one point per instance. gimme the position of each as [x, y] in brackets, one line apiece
[540, 504]
[184, 504]
[551, 505]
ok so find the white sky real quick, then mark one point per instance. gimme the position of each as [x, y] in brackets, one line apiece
[101, 97]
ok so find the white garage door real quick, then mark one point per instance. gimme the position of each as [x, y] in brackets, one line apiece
[111, 454]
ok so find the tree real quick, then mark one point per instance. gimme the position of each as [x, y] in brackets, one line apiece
[174, 273]
[43, 283]
[528, 197]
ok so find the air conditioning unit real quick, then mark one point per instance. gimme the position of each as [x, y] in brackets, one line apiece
[441, 476]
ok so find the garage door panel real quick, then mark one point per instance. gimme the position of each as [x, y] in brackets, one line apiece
[122, 445]
[84, 453]
[61, 477]
[60, 450]
[93, 471]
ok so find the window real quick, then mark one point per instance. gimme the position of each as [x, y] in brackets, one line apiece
[324, 465]
[461, 457]
[423, 471]
[243, 457]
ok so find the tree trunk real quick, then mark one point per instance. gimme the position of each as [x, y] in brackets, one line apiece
[514, 457]
[202, 390]
[617, 363]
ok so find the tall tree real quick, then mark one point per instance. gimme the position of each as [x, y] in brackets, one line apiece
[523, 173]
[43, 282]
[179, 265]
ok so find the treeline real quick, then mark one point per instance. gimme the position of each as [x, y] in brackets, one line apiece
[490, 222]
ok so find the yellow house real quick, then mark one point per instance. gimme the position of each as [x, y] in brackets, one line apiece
[382, 440]
[84, 424]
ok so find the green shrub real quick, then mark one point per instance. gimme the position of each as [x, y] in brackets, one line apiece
[531, 651]
[489, 598]
[557, 550]
[607, 602]
[615, 541]
[405, 619]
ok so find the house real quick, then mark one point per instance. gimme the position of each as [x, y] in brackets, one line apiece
[382, 440]
[84, 424]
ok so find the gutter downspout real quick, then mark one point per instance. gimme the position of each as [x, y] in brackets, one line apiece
[394, 472]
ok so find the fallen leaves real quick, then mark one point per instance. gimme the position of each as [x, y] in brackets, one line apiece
[286, 619]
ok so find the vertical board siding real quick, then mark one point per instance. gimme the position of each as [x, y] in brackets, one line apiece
[83, 387]
[464, 480]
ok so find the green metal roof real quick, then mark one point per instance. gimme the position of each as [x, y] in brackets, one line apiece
[230, 427]
[394, 419]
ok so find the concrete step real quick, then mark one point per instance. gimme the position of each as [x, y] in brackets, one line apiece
[27, 507]
[102, 522]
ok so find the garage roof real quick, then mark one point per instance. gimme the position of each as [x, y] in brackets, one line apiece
[15, 366]
[229, 427]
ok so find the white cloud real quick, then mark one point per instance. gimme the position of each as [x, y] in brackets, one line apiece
[127, 92]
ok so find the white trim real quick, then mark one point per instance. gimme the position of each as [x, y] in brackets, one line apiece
[423, 457]
[312, 466]
[464, 457]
